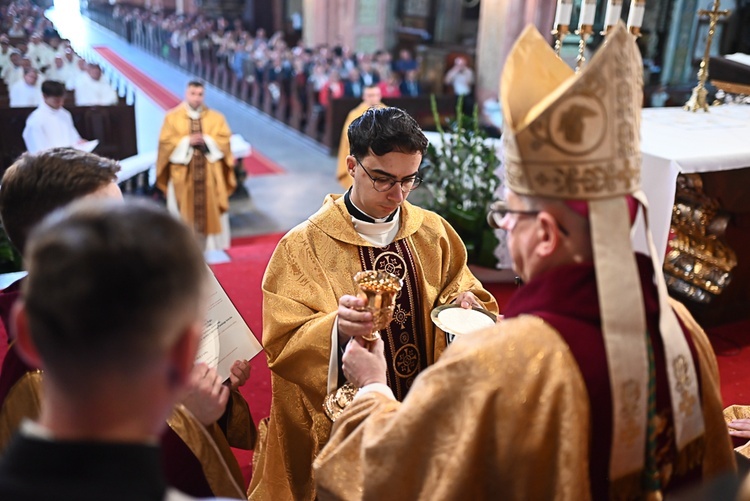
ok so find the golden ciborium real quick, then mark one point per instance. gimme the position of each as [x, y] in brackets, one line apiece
[379, 289]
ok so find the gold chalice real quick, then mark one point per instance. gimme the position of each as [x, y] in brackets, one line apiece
[379, 289]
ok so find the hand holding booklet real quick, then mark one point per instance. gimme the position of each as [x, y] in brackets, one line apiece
[226, 336]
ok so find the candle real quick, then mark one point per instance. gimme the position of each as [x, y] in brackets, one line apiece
[588, 11]
[564, 12]
[612, 14]
[635, 17]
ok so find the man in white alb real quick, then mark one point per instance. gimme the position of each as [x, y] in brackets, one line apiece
[26, 93]
[5, 51]
[50, 125]
[59, 70]
[13, 70]
[93, 90]
[39, 52]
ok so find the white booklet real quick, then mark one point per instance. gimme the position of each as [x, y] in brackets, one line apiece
[226, 336]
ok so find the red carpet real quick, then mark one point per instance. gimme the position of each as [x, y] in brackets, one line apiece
[151, 88]
[258, 165]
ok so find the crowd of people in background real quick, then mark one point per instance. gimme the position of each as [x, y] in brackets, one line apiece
[333, 71]
[32, 52]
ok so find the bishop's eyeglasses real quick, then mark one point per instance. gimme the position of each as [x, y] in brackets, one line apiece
[498, 211]
[384, 184]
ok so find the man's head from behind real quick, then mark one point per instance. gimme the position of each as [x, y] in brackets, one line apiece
[113, 290]
[37, 184]
[194, 94]
[53, 93]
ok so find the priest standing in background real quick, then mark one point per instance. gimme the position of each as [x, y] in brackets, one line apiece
[194, 167]
[595, 385]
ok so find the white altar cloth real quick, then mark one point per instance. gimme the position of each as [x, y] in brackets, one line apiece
[676, 141]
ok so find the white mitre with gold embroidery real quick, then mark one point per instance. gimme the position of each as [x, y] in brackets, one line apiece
[577, 137]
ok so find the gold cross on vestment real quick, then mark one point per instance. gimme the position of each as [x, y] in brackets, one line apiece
[697, 100]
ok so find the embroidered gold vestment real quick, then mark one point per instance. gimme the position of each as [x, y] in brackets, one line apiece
[504, 415]
[311, 268]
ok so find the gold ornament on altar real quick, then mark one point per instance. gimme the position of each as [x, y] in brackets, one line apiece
[698, 264]
[697, 99]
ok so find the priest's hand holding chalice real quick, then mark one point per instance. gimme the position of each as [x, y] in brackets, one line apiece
[360, 320]
[378, 289]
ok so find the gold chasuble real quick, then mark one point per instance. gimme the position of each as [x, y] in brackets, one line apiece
[202, 187]
[516, 427]
[311, 268]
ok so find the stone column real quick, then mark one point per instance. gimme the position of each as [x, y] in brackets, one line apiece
[358, 24]
[500, 23]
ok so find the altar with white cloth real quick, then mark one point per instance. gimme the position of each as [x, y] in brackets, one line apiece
[675, 141]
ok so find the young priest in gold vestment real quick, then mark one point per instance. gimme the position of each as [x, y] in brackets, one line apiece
[309, 308]
[595, 385]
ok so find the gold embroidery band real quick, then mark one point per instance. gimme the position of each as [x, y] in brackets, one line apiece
[404, 337]
[198, 165]
[683, 380]
[619, 290]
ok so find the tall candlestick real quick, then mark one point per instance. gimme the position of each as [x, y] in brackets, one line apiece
[585, 29]
[635, 16]
[612, 14]
[562, 21]
[588, 12]
[563, 13]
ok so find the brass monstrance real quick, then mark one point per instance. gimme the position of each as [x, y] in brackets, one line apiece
[697, 100]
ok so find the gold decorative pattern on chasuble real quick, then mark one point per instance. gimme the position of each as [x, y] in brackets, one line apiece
[404, 338]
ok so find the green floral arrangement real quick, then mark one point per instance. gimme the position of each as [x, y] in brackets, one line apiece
[460, 176]
[10, 259]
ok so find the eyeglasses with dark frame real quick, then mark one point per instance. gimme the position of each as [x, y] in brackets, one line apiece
[498, 211]
[383, 184]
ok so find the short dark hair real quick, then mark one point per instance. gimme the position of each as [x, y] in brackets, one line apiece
[195, 83]
[53, 88]
[111, 285]
[37, 184]
[383, 130]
